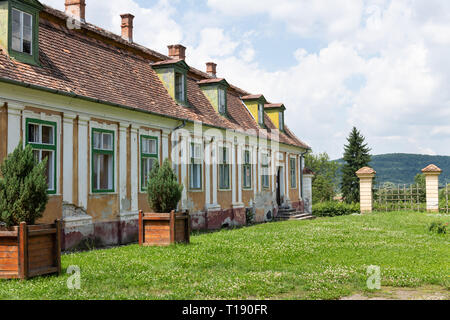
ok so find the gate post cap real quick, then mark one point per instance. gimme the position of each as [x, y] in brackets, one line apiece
[432, 169]
[308, 171]
[366, 172]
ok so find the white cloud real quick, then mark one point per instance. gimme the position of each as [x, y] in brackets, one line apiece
[400, 48]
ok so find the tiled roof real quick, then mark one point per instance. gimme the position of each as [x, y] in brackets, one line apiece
[99, 65]
[432, 168]
[274, 106]
[212, 80]
[252, 96]
[366, 170]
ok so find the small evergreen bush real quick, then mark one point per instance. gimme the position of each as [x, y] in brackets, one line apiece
[163, 189]
[23, 188]
[438, 227]
[334, 208]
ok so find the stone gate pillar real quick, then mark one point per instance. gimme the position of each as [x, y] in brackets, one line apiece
[432, 173]
[365, 176]
[308, 175]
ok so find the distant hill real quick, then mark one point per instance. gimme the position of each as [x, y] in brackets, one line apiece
[401, 168]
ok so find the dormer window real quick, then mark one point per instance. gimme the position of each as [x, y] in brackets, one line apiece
[260, 113]
[22, 32]
[179, 87]
[173, 75]
[19, 30]
[215, 90]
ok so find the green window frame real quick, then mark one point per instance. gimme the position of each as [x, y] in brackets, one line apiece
[247, 170]
[148, 158]
[102, 155]
[293, 172]
[25, 10]
[196, 167]
[36, 138]
[224, 168]
[265, 170]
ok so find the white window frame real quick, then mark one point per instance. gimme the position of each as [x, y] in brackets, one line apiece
[249, 166]
[145, 156]
[49, 147]
[265, 167]
[22, 13]
[293, 170]
[223, 163]
[196, 159]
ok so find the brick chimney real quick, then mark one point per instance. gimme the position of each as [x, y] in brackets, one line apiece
[76, 9]
[127, 27]
[211, 69]
[177, 51]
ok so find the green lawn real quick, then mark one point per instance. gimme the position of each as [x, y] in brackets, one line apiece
[325, 258]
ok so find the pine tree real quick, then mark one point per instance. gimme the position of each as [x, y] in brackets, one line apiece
[356, 156]
[163, 189]
[23, 187]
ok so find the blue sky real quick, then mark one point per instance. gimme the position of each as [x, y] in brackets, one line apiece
[380, 65]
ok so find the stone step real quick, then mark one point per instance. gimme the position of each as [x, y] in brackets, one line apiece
[286, 210]
[294, 216]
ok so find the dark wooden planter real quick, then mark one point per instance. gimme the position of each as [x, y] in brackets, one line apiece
[28, 251]
[163, 229]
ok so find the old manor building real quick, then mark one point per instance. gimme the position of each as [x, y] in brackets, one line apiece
[103, 109]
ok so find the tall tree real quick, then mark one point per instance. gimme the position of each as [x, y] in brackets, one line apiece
[356, 156]
[324, 183]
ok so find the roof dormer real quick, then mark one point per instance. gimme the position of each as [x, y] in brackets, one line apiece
[275, 111]
[215, 91]
[19, 29]
[255, 104]
[173, 74]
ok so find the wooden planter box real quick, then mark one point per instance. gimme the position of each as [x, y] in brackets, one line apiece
[163, 229]
[28, 251]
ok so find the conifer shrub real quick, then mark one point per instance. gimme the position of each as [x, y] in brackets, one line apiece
[163, 189]
[23, 187]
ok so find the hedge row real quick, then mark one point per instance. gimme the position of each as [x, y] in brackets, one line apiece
[334, 208]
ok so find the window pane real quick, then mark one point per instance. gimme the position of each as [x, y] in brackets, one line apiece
[103, 171]
[107, 141]
[97, 141]
[37, 155]
[33, 133]
[147, 167]
[221, 101]
[179, 87]
[47, 135]
[49, 170]
[27, 33]
[16, 31]
[196, 178]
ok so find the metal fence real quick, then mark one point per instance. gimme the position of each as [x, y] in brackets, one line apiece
[399, 198]
[444, 194]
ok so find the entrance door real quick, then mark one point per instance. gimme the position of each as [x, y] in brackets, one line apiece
[279, 180]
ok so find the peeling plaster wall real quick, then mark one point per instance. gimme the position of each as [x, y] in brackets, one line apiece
[103, 207]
